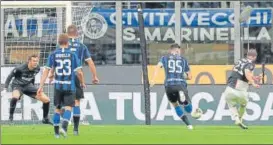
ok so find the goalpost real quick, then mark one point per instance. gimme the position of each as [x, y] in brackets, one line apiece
[29, 27]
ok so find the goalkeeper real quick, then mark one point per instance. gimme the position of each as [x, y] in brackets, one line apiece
[84, 56]
[23, 83]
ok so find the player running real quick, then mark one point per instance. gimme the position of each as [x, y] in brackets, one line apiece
[177, 71]
[236, 92]
[84, 56]
[65, 64]
[23, 83]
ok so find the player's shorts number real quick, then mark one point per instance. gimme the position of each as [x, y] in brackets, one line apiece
[63, 67]
[175, 66]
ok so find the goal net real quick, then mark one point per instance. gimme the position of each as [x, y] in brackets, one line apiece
[32, 28]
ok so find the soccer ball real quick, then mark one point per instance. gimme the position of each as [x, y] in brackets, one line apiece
[197, 113]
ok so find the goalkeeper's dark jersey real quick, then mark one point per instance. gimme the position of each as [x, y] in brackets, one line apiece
[238, 72]
[65, 63]
[175, 66]
[22, 76]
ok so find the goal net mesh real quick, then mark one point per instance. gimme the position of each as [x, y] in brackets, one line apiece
[28, 31]
[34, 31]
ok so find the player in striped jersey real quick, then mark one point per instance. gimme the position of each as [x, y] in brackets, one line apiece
[177, 71]
[84, 56]
[66, 66]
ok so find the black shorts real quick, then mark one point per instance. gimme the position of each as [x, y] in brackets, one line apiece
[29, 90]
[63, 98]
[173, 94]
[79, 89]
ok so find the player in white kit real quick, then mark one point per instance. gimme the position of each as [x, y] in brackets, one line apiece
[236, 93]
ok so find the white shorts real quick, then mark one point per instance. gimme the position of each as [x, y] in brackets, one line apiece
[233, 96]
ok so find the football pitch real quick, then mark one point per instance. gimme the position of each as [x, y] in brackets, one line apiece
[132, 134]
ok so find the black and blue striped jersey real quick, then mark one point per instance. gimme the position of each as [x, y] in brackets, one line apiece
[80, 49]
[65, 63]
[175, 66]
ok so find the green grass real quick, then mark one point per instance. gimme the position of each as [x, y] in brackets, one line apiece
[42, 134]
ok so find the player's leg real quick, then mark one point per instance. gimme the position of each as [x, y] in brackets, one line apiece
[233, 109]
[181, 114]
[173, 97]
[242, 105]
[56, 121]
[76, 108]
[57, 117]
[235, 113]
[185, 99]
[68, 102]
[232, 99]
[76, 116]
[46, 105]
[66, 119]
[16, 94]
[31, 91]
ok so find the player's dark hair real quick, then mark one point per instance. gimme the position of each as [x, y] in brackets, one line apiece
[175, 45]
[32, 56]
[63, 39]
[72, 30]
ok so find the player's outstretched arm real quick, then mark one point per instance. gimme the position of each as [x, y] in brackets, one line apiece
[91, 64]
[81, 77]
[10, 76]
[189, 75]
[78, 70]
[50, 64]
[51, 75]
[43, 79]
[250, 77]
[7, 82]
[93, 70]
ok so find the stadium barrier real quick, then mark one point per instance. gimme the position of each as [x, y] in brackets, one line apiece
[124, 104]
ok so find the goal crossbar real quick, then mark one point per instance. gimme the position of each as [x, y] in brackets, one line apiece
[29, 4]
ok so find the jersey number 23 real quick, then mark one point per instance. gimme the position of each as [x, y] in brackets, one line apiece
[63, 67]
